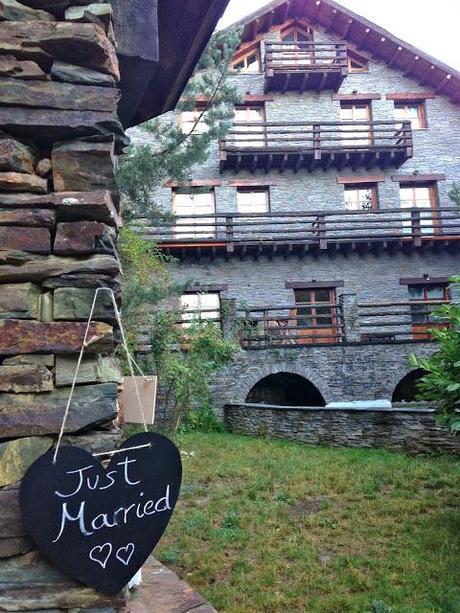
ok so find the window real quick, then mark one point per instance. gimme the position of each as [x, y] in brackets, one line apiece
[296, 52]
[296, 35]
[419, 196]
[249, 135]
[414, 112]
[199, 307]
[314, 314]
[356, 64]
[423, 296]
[252, 200]
[361, 197]
[190, 205]
[188, 119]
[358, 112]
[248, 62]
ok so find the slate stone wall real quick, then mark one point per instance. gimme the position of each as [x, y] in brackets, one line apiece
[58, 230]
[413, 430]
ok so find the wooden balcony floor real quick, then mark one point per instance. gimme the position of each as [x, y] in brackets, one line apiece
[284, 79]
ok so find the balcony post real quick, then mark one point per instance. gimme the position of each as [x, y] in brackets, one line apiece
[408, 140]
[317, 140]
[350, 317]
[229, 318]
[321, 221]
[229, 233]
[416, 228]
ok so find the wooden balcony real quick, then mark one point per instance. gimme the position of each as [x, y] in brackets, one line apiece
[300, 325]
[305, 66]
[301, 233]
[267, 146]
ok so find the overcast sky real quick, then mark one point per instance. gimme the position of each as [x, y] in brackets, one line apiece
[433, 27]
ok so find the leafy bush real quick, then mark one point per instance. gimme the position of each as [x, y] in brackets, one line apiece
[202, 419]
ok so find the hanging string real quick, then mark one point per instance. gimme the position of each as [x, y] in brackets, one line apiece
[86, 343]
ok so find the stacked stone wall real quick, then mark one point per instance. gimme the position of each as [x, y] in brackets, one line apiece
[58, 227]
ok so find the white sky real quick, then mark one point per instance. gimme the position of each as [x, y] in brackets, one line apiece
[433, 27]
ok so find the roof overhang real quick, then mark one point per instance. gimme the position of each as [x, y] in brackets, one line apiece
[362, 34]
[159, 44]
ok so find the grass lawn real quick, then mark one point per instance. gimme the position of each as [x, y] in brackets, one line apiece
[274, 526]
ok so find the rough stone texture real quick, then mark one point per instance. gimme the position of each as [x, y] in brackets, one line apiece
[71, 206]
[75, 303]
[27, 217]
[29, 583]
[38, 414]
[19, 301]
[70, 73]
[15, 156]
[413, 430]
[49, 94]
[11, 10]
[38, 359]
[78, 165]
[98, 10]
[97, 441]
[43, 168]
[14, 546]
[22, 182]
[18, 266]
[83, 237]
[25, 379]
[16, 457]
[84, 43]
[11, 67]
[92, 370]
[18, 336]
[162, 592]
[35, 240]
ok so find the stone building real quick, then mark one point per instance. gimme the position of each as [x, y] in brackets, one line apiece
[322, 225]
[73, 77]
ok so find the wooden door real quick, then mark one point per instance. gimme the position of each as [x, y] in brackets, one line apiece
[316, 319]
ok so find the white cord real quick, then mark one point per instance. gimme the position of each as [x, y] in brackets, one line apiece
[85, 343]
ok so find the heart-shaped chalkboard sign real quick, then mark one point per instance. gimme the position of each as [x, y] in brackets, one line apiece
[100, 525]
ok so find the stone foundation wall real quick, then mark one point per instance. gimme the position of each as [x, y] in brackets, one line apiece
[414, 430]
[58, 227]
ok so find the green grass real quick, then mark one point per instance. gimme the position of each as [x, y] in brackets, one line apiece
[274, 526]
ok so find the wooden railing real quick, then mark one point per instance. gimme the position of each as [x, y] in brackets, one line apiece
[318, 138]
[290, 325]
[316, 228]
[305, 56]
[398, 321]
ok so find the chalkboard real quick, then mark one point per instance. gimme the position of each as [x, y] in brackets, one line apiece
[99, 525]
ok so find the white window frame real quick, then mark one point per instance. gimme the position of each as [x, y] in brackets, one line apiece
[199, 306]
[191, 226]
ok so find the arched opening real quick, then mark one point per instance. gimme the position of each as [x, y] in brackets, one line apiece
[406, 390]
[286, 389]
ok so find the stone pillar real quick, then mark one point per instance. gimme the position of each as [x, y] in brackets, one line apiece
[229, 318]
[58, 230]
[350, 317]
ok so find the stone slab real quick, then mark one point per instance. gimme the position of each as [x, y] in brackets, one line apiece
[82, 43]
[53, 95]
[30, 583]
[83, 237]
[14, 546]
[92, 370]
[11, 525]
[20, 266]
[12, 10]
[100, 10]
[71, 206]
[36, 359]
[70, 73]
[19, 301]
[14, 155]
[44, 218]
[83, 166]
[35, 240]
[73, 303]
[16, 457]
[18, 336]
[22, 182]
[25, 379]
[161, 591]
[25, 69]
[41, 414]
[43, 168]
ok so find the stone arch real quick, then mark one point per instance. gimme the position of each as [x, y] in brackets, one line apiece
[246, 383]
[286, 389]
[405, 390]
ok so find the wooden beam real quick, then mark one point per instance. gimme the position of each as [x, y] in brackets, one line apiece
[442, 82]
[330, 26]
[347, 28]
[428, 75]
[410, 65]
[322, 82]
[366, 33]
[394, 57]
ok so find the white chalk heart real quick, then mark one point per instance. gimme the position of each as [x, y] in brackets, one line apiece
[124, 553]
[96, 554]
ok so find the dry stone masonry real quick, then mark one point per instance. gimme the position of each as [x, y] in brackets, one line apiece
[58, 226]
